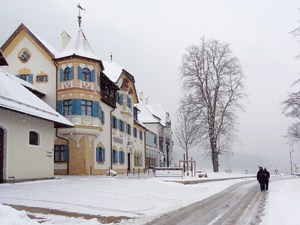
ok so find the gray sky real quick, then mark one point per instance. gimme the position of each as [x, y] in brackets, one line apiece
[148, 38]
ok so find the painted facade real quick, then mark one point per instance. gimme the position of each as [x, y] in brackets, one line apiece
[128, 149]
[76, 84]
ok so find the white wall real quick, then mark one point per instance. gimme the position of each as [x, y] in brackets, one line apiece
[24, 161]
[37, 63]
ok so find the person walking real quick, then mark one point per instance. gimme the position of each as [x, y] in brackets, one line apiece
[261, 178]
[267, 177]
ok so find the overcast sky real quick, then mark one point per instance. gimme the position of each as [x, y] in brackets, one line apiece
[148, 38]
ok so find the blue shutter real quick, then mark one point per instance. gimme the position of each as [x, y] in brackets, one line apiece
[61, 74]
[121, 99]
[97, 154]
[79, 73]
[103, 154]
[120, 156]
[76, 106]
[30, 78]
[59, 106]
[103, 117]
[95, 109]
[72, 73]
[92, 75]
[117, 158]
[66, 153]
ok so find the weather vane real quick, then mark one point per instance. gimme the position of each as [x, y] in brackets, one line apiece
[79, 16]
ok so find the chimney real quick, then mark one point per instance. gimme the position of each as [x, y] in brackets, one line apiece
[141, 95]
[146, 100]
[65, 39]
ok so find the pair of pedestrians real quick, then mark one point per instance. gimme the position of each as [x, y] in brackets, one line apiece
[263, 177]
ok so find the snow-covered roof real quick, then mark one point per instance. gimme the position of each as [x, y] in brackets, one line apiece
[159, 111]
[145, 116]
[14, 96]
[25, 83]
[112, 70]
[78, 46]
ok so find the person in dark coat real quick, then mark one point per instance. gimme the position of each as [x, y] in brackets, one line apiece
[261, 178]
[267, 177]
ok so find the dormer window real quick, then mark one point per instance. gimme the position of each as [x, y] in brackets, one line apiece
[24, 55]
[86, 74]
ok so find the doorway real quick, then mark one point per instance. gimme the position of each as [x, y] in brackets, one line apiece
[1, 155]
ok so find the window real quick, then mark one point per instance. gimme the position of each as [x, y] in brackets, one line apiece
[121, 157]
[128, 129]
[42, 78]
[129, 102]
[134, 132]
[33, 138]
[141, 135]
[115, 156]
[114, 122]
[135, 113]
[26, 77]
[67, 74]
[100, 154]
[121, 125]
[67, 107]
[86, 74]
[24, 56]
[120, 98]
[86, 108]
[61, 153]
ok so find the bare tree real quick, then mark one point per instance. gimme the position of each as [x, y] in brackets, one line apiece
[213, 85]
[186, 134]
[291, 108]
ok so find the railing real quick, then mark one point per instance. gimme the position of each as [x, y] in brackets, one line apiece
[168, 172]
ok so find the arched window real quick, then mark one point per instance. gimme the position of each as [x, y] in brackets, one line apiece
[67, 74]
[33, 138]
[86, 74]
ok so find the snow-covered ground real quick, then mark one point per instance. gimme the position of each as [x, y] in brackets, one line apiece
[141, 198]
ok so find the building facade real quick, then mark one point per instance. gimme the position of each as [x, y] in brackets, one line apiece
[106, 133]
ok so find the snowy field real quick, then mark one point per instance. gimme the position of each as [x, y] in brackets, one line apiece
[139, 198]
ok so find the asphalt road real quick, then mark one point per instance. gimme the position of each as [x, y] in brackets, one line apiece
[240, 204]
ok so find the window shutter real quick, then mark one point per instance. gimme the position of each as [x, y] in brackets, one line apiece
[120, 156]
[95, 109]
[76, 106]
[103, 154]
[117, 156]
[97, 154]
[59, 106]
[92, 75]
[61, 74]
[72, 73]
[66, 153]
[79, 73]
[18, 75]
[121, 99]
[30, 78]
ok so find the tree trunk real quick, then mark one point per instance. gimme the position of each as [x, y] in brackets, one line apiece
[214, 155]
[187, 165]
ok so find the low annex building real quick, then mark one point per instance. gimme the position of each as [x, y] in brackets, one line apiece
[27, 132]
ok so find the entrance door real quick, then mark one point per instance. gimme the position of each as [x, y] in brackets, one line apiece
[1, 154]
[128, 160]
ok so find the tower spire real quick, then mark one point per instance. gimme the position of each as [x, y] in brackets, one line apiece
[79, 16]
